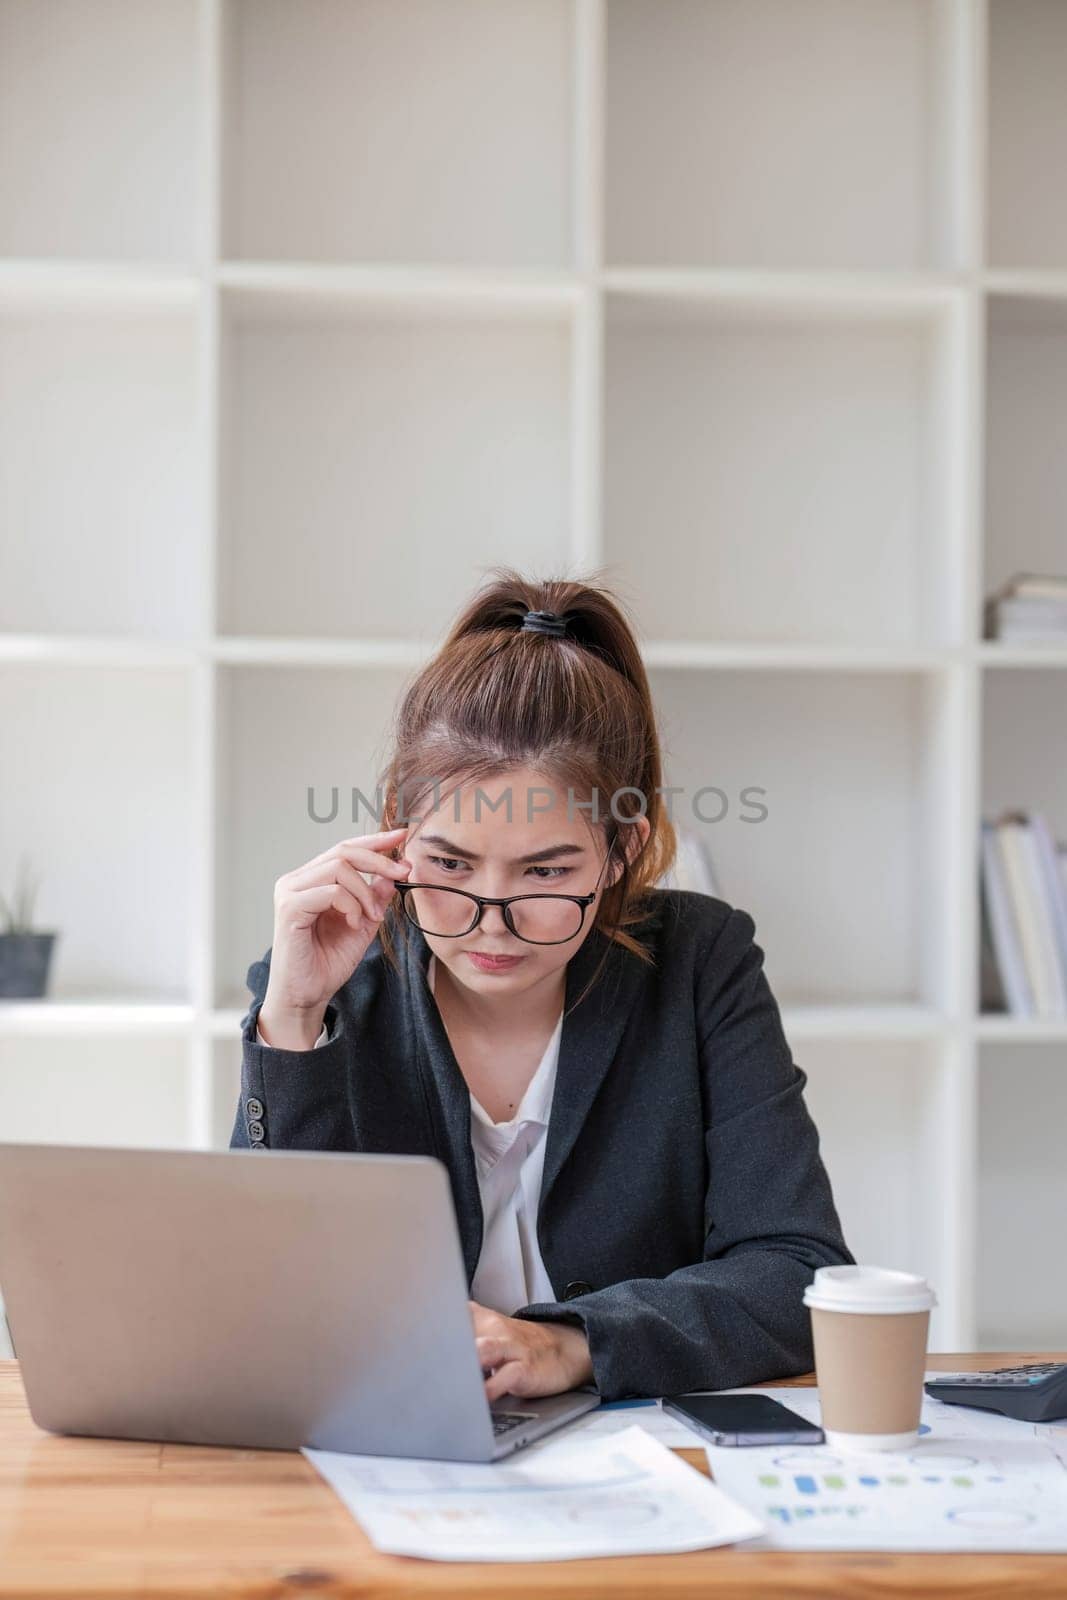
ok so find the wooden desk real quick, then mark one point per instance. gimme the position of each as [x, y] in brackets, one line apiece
[101, 1517]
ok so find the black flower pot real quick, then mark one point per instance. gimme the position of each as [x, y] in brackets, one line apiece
[24, 962]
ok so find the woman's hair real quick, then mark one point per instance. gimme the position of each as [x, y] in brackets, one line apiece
[577, 708]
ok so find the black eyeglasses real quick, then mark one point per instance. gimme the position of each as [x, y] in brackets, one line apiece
[446, 913]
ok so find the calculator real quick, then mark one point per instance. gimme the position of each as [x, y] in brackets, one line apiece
[1036, 1393]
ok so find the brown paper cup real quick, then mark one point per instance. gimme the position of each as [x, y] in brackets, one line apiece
[869, 1328]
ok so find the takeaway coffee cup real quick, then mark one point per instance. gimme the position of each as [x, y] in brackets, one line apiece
[869, 1326]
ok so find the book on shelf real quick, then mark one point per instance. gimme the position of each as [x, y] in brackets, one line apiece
[1024, 916]
[692, 867]
[1029, 608]
[992, 989]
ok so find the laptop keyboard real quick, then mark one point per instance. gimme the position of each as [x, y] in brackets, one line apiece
[504, 1421]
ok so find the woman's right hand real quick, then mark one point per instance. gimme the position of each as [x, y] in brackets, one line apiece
[325, 917]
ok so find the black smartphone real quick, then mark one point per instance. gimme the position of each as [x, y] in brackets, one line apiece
[742, 1419]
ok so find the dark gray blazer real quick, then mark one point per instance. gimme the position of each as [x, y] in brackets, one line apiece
[684, 1204]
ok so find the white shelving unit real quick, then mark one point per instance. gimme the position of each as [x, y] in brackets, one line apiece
[308, 313]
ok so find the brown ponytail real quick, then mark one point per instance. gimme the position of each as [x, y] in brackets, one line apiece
[577, 708]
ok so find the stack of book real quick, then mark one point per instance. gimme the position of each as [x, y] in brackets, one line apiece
[1024, 917]
[1030, 608]
[692, 865]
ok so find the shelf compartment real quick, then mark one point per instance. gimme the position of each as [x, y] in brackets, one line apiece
[1022, 769]
[879, 1108]
[1026, 439]
[101, 528]
[849, 875]
[1022, 1108]
[96, 794]
[800, 466]
[1027, 224]
[764, 133]
[99, 148]
[99, 1090]
[1023, 766]
[280, 731]
[355, 432]
[442, 131]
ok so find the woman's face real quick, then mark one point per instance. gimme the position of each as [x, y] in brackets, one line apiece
[468, 842]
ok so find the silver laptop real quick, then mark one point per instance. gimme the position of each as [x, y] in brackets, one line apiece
[267, 1298]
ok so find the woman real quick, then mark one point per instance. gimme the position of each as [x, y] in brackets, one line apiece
[494, 979]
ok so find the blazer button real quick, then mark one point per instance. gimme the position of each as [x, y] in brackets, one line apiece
[579, 1286]
[257, 1144]
[254, 1108]
[255, 1130]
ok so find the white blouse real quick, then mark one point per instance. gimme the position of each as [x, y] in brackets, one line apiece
[509, 1159]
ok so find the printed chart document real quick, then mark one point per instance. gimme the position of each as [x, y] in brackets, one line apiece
[974, 1481]
[623, 1494]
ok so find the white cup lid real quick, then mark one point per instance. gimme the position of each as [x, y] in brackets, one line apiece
[876, 1290]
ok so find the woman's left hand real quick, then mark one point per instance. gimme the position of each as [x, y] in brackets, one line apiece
[529, 1358]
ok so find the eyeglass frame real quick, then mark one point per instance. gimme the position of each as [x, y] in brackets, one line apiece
[582, 901]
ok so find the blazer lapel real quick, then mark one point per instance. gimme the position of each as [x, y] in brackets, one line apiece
[589, 1041]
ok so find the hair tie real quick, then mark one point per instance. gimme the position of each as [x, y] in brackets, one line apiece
[545, 622]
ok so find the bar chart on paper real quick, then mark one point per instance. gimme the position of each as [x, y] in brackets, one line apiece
[1000, 1495]
[973, 1481]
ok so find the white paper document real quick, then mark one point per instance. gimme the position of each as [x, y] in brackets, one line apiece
[569, 1495]
[975, 1481]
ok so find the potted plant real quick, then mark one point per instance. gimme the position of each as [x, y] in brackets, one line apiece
[25, 952]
